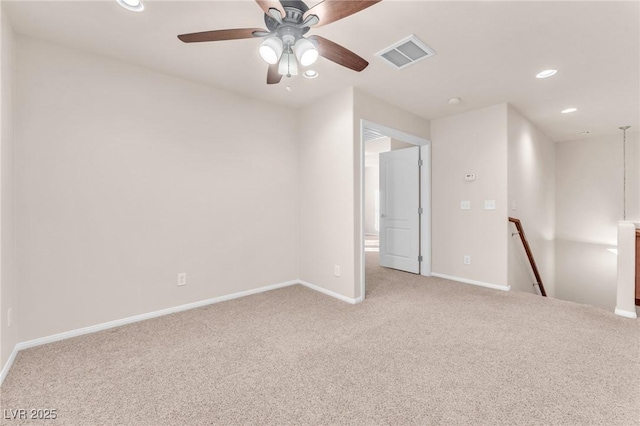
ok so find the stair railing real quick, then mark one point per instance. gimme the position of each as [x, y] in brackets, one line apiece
[527, 249]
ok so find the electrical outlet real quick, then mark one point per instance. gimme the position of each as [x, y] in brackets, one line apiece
[465, 205]
[182, 279]
[336, 270]
[9, 317]
[467, 260]
[489, 204]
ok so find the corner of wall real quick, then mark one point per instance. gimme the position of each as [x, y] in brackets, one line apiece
[326, 197]
[470, 142]
[8, 286]
[589, 204]
[161, 193]
[531, 198]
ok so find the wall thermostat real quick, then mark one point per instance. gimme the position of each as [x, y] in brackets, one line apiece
[469, 177]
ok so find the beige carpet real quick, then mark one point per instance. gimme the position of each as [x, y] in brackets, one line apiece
[418, 351]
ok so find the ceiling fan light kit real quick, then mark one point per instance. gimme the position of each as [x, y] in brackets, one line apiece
[271, 50]
[306, 52]
[281, 51]
[285, 46]
[288, 65]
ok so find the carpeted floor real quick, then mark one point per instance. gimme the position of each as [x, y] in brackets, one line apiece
[417, 351]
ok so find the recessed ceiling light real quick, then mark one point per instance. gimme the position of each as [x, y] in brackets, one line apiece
[455, 101]
[310, 73]
[132, 5]
[569, 110]
[546, 73]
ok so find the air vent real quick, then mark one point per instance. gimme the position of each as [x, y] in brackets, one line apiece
[406, 52]
[369, 134]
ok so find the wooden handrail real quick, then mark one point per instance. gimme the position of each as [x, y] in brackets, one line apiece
[527, 249]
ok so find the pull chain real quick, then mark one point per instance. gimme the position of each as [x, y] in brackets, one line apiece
[624, 171]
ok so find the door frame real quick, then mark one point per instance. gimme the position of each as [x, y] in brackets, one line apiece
[425, 196]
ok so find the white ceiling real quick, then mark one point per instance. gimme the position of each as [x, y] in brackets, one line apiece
[488, 52]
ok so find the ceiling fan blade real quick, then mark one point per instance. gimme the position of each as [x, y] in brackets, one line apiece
[329, 11]
[271, 4]
[273, 77]
[309, 21]
[338, 54]
[219, 35]
[261, 33]
[275, 14]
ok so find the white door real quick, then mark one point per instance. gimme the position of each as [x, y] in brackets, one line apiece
[399, 209]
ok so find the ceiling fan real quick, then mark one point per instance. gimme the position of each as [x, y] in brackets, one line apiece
[284, 42]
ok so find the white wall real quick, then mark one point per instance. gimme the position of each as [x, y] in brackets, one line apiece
[398, 144]
[8, 290]
[531, 176]
[376, 146]
[589, 187]
[372, 149]
[588, 208]
[126, 177]
[371, 185]
[330, 165]
[326, 193]
[471, 142]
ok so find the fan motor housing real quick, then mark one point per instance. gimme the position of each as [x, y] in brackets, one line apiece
[295, 10]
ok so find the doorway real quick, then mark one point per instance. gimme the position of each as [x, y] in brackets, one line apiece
[378, 141]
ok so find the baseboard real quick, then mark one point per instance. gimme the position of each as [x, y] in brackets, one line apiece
[330, 293]
[8, 364]
[136, 318]
[626, 314]
[474, 282]
[149, 315]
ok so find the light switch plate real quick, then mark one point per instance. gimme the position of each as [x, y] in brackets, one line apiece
[465, 205]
